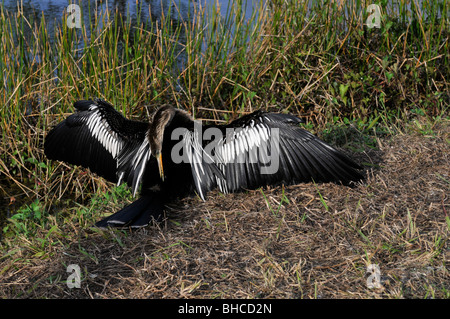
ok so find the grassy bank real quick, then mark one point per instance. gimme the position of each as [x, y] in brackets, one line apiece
[354, 84]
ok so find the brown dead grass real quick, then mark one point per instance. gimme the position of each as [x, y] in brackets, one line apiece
[275, 243]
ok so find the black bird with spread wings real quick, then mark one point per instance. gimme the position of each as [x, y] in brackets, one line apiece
[255, 150]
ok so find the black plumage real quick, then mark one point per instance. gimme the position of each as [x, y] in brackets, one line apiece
[174, 156]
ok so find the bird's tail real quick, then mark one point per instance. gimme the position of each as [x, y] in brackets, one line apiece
[136, 215]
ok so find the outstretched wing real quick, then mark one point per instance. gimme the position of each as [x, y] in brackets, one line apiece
[101, 139]
[267, 148]
[205, 172]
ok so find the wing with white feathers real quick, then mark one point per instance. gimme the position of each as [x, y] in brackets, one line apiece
[205, 172]
[100, 138]
[267, 148]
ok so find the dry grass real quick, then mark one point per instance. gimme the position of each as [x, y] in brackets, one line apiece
[273, 243]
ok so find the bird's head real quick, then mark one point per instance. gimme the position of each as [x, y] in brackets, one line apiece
[161, 119]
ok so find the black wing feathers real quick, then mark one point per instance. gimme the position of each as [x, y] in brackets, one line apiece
[316, 159]
[276, 139]
[71, 141]
[95, 137]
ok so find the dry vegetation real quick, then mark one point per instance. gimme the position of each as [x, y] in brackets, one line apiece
[274, 243]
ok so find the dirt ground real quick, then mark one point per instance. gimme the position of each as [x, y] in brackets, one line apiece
[385, 238]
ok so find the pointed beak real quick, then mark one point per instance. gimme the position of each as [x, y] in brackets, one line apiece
[160, 166]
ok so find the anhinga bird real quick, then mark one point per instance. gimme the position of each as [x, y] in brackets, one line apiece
[173, 156]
